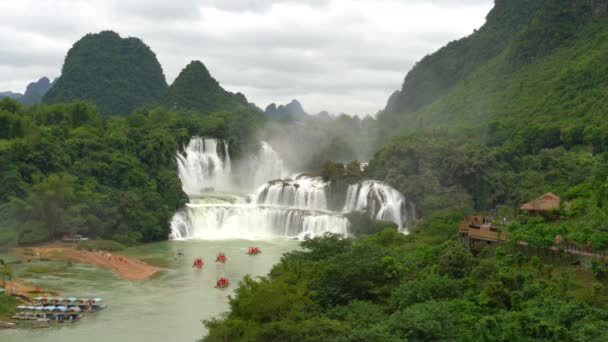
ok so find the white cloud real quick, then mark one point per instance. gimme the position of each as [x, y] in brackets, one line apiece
[338, 55]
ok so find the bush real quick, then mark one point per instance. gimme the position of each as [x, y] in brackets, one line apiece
[362, 224]
[7, 304]
[96, 245]
[39, 269]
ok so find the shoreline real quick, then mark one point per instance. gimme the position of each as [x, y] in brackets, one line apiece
[125, 267]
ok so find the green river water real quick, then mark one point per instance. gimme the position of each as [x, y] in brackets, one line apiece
[167, 307]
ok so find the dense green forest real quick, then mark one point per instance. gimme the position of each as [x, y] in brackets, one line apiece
[523, 121]
[421, 287]
[66, 169]
[116, 74]
[195, 89]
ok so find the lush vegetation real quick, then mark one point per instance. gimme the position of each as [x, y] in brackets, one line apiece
[552, 73]
[65, 169]
[523, 122]
[422, 287]
[7, 305]
[483, 125]
[435, 74]
[195, 89]
[118, 75]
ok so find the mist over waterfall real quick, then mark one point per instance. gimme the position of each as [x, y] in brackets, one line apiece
[380, 201]
[222, 205]
[268, 165]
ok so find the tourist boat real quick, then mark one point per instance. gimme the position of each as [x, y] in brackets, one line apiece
[198, 263]
[74, 314]
[57, 301]
[71, 301]
[221, 258]
[82, 303]
[38, 300]
[44, 301]
[49, 311]
[59, 313]
[222, 283]
[95, 304]
[254, 251]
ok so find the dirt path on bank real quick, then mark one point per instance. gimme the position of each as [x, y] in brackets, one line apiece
[127, 268]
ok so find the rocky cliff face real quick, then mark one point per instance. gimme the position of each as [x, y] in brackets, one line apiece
[35, 91]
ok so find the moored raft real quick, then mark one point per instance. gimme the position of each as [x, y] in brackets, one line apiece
[70, 301]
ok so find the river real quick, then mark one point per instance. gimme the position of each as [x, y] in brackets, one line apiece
[168, 307]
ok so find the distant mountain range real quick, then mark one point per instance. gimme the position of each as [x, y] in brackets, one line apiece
[119, 75]
[294, 110]
[33, 93]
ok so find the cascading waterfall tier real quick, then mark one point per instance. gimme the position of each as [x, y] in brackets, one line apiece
[291, 208]
[380, 201]
[302, 192]
[216, 221]
[296, 207]
[204, 165]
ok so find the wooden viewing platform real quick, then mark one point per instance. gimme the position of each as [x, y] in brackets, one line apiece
[477, 228]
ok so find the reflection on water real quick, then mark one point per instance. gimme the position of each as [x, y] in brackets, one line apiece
[167, 307]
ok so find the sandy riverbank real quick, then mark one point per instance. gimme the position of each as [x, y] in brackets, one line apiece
[127, 268]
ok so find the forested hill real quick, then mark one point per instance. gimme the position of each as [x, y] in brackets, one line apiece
[116, 74]
[195, 89]
[66, 169]
[534, 61]
[507, 114]
[436, 73]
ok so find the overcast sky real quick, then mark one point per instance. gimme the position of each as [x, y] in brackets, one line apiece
[335, 55]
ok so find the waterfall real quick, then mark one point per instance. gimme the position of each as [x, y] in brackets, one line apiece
[380, 201]
[268, 165]
[204, 166]
[302, 192]
[295, 207]
[252, 222]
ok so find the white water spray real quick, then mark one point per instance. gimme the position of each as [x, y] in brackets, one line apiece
[296, 207]
[302, 192]
[204, 166]
[380, 201]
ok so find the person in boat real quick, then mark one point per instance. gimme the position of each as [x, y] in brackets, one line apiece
[222, 282]
[198, 263]
[221, 258]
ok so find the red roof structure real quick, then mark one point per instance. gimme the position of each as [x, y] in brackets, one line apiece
[546, 202]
